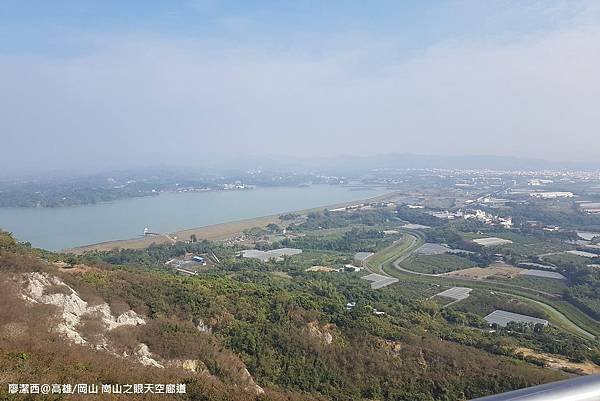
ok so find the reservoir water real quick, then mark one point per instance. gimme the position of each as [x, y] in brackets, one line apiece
[66, 227]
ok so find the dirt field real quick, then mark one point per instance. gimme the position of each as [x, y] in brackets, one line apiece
[500, 270]
[324, 269]
[80, 268]
[558, 362]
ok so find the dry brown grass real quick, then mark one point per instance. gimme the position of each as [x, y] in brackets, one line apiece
[118, 306]
[80, 268]
[559, 362]
[124, 339]
[92, 328]
[16, 263]
[500, 270]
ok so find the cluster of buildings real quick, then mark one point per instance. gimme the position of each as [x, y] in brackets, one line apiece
[590, 207]
[237, 185]
[351, 305]
[536, 182]
[489, 218]
[188, 264]
[552, 194]
[476, 214]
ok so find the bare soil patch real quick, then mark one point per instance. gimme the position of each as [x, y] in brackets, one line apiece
[558, 362]
[498, 270]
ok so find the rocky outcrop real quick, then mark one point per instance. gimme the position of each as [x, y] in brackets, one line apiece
[250, 383]
[203, 327]
[145, 357]
[320, 332]
[391, 347]
[44, 288]
[72, 306]
[191, 365]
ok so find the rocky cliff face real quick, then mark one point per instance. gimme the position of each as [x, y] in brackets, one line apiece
[38, 288]
[47, 289]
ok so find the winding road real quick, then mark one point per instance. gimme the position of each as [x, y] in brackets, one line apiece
[399, 251]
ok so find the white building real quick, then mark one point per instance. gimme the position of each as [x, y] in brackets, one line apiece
[551, 195]
[537, 182]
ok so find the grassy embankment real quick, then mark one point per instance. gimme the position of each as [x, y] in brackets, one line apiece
[212, 232]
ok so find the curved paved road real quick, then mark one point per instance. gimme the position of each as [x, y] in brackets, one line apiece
[414, 247]
[416, 243]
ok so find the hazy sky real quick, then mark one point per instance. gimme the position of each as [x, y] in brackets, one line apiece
[111, 83]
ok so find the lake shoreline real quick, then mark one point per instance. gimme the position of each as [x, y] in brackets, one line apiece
[211, 232]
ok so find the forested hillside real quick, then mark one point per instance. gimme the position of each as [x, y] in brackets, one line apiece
[294, 336]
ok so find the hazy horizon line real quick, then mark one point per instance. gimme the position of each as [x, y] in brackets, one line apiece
[270, 162]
